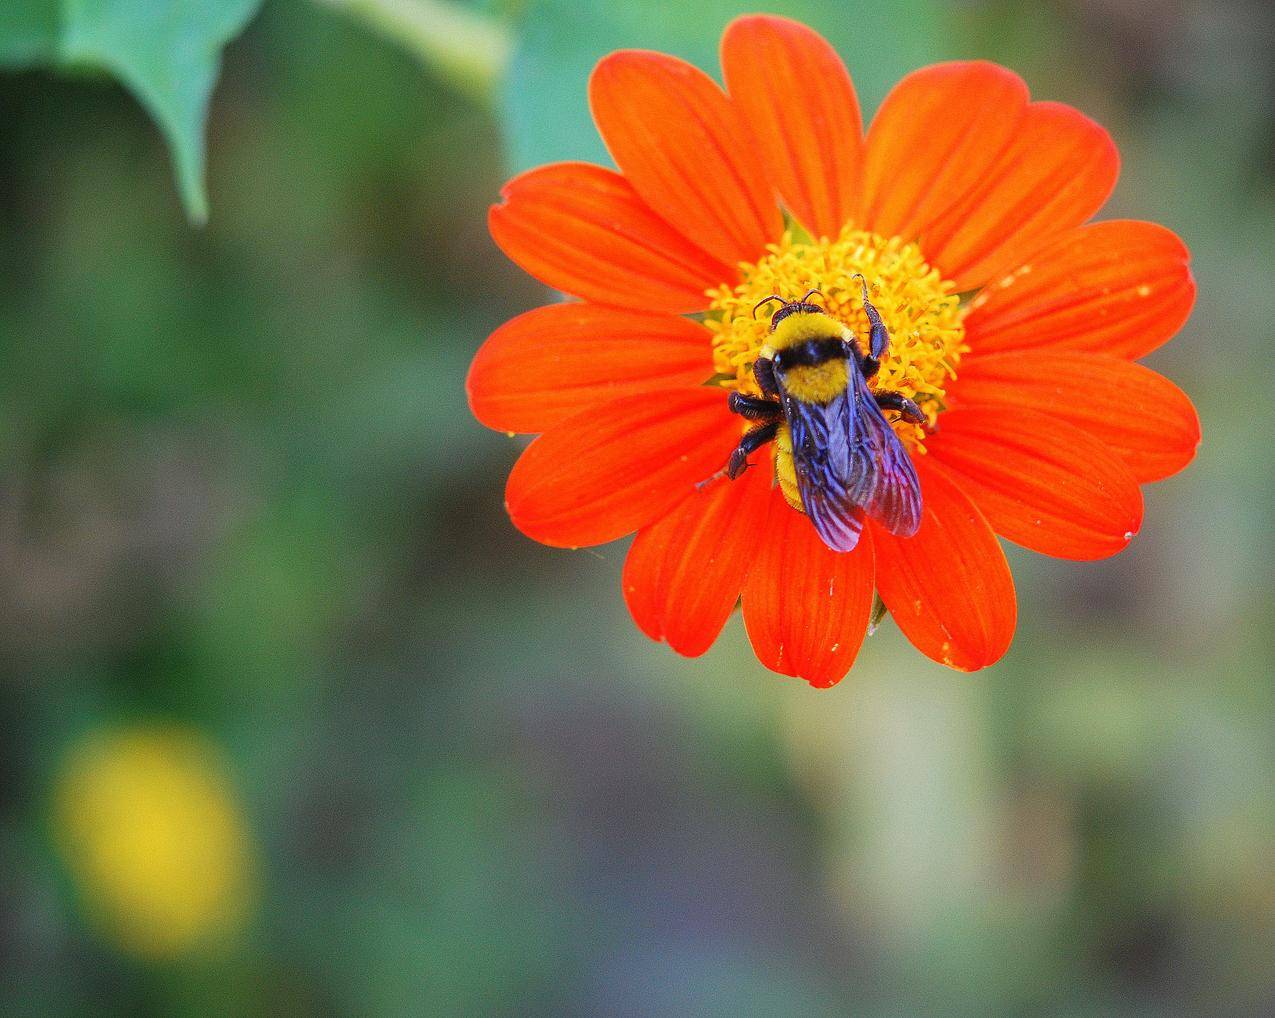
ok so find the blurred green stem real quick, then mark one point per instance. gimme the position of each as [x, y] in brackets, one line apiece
[467, 49]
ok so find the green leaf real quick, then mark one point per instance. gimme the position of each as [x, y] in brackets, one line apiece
[166, 52]
[544, 102]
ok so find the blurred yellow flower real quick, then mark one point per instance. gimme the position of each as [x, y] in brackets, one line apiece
[149, 825]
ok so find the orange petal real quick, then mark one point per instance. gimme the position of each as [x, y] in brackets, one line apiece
[582, 229]
[1140, 415]
[549, 363]
[934, 138]
[680, 142]
[795, 95]
[1040, 481]
[1056, 172]
[806, 607]
[614, 467]
[949, 587]
[1119, 287]
[684, 573]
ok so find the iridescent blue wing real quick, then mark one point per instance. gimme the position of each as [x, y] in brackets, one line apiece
[848, 462]
[820, 454]
[889, 491]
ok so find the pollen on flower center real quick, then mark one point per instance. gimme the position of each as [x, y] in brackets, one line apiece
[919, 307]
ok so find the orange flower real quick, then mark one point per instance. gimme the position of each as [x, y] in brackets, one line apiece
[1014, 327]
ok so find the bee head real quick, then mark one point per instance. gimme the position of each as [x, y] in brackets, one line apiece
[789, 307]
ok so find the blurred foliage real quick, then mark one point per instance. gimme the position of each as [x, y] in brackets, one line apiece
[240, 493]
[463, 45]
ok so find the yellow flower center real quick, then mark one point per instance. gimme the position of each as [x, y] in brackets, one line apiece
[918, 306]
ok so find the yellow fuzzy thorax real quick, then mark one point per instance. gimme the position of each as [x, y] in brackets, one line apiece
[818, 383]
[918, 306]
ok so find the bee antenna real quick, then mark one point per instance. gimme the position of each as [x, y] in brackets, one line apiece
[766, 300]
[862, 282]
[811, 293]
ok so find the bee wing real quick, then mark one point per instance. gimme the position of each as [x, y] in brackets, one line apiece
[847, 458]
[818, 447]
[890, 491]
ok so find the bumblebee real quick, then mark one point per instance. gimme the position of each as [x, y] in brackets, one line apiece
[837, 457]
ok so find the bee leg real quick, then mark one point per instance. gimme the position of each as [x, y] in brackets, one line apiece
[749, 444]
[897, 401]
[764, 372]
[878, 337]
[868, 366]
[753, 408]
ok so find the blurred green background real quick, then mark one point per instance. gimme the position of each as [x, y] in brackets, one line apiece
[253, 559]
